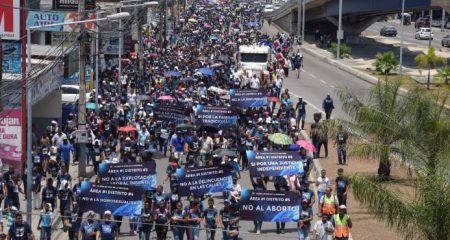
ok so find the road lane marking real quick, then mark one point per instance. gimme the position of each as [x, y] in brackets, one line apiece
[312, 75]
[332, 86]
[322, 81]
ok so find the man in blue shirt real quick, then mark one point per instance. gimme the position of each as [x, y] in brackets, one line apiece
[88, 229]
[178, 145]
[65, 151]
[328, 106]
[107, 230]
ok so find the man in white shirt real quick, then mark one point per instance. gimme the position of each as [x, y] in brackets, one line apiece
[322, 183]
[254, 82]
[323, 229]
[206, 147]
[58, 138]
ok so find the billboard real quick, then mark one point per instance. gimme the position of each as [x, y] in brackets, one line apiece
[11, 136]
[38, 18]
[65, 5]
[11, 57]
[9, 19]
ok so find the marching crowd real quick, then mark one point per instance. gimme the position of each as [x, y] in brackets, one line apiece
[125, 128]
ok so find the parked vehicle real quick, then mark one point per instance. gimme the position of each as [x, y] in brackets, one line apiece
[268, 8]
[422, 22]
[70, 93]
[424, 33]
[445, 42]
[388, 31]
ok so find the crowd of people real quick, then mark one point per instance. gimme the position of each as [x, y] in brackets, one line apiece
[206, 36]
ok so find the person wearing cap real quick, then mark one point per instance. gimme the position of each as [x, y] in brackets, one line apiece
[107, 229]
[20, 230]
[342, 224]
[323, 229]
[46, 222]
[88, 228]
[304, 223]
[65, 152]
[300, 108]
[328, 106]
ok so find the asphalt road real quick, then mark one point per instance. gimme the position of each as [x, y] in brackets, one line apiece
[409, 33]
[316, 80]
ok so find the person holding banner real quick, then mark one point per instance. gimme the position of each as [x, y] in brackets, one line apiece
[210, 220]
[88, 229]
[194, 219]
[179, 221]
[304, 223]
[259, 183]
[281, 185]
[107, 230]
[145, 222]
[162, 217]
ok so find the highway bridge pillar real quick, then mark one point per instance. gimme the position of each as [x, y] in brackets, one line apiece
[353, 26]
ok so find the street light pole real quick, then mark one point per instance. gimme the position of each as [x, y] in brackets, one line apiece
[339, 34]
[429, 47]
[120, 55]
[82, 94]
[97, 36]
[401, 40]
[299, 16]
[303, 19]
[443, 20]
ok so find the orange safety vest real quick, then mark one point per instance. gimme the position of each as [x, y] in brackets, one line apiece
[329, 205]
[341, 226]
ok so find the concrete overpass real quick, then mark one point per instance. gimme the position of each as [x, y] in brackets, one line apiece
[357, 14]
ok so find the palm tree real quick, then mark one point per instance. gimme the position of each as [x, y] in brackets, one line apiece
[385, 63]
[376, 119]
[422, 213]
[429, 61]
[444, 74]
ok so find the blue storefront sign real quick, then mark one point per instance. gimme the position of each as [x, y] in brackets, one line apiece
[38, 18]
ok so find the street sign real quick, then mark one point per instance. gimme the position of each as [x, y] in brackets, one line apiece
[10, 19]
[340, 34]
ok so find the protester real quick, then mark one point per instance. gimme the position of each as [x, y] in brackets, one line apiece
[341, 187]
[107, 229]
[341, 142]
[304, 223]
[20, 230]
[342, 223]
[46, 222]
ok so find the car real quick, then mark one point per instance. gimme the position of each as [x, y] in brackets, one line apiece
[422, 22]
[70, 93]
[424, 33]
[268, 8]
[388, 31]
[445, 42]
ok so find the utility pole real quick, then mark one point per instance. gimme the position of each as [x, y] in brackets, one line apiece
[443, 22]
[140, 42]
[299, 17]
[429, 47]
[340, 34]
[165, 25]
[401, 40]
[82, 93]
[303, 19]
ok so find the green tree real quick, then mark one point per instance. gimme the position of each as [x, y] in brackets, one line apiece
[429, 61]
[376, 119]
[385, 63]
[424, 147]
[444, 74]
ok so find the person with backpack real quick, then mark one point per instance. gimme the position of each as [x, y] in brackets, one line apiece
[319, 136]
